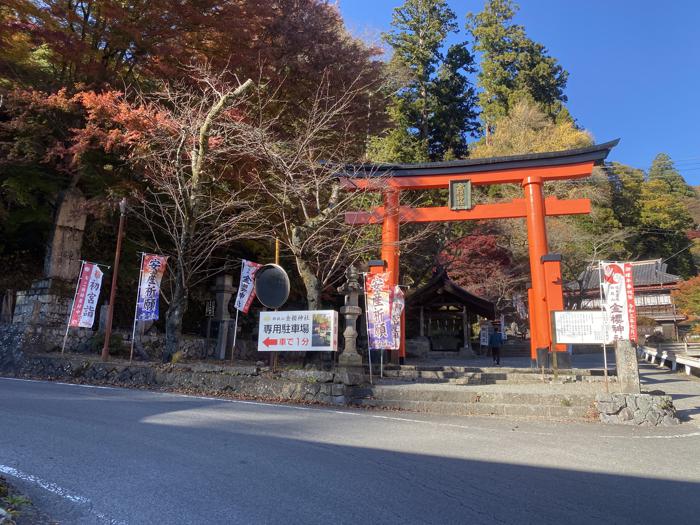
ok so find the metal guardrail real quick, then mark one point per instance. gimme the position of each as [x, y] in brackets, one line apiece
[688, 360]
[685, 347]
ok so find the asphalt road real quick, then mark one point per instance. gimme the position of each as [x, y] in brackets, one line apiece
[107, 455]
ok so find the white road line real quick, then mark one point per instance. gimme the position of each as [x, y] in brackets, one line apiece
[343, 412]
[58, 491]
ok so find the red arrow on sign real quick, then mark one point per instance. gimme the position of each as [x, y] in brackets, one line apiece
[267, 342]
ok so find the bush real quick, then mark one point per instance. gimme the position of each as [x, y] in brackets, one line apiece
[117, 347]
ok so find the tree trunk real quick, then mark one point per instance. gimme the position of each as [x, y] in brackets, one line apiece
[313, 287]
[424, 131]
[173, 319]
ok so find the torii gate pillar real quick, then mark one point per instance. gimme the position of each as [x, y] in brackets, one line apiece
[390, 254]
[390, 235]
[537, 244]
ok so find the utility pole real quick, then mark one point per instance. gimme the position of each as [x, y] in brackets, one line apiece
[113, 292]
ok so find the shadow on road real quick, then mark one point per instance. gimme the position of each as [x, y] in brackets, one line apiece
[145, 458]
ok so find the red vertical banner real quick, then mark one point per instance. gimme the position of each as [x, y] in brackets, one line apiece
[80, 295]
[631, 306]
[618, 301]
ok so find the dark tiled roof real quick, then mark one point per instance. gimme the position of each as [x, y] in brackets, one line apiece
[596, 153]
[441, 287]
[644, 273]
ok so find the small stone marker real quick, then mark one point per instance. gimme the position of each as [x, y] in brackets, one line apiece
[627, 367]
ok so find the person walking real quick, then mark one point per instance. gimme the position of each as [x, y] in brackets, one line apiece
[495, 343]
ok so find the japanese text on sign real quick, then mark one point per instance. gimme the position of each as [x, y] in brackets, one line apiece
[87, 294]
[579, 327]
[618, 301]
[298, 331]
[378, 297]
[246, 288]
[397, 305]
[460, 195]
[152, 270]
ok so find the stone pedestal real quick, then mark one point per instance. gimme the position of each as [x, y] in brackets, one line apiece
[48, 301]
[627, 367]
[350, 356]
[224, 290]
[351, 311]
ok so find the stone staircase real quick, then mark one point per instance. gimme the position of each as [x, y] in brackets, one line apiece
[462, 375]
[466, 391]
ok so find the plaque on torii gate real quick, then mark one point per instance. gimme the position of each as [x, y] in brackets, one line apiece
[531, 171]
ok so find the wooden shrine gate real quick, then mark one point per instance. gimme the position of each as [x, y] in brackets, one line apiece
[530, 171]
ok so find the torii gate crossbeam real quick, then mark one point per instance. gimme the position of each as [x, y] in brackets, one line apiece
[530, 171]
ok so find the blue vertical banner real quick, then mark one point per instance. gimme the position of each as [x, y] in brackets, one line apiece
[378, 293]
[152, 271]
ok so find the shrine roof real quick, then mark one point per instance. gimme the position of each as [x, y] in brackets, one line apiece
[651, 272]
[596, 153]
[441, 287]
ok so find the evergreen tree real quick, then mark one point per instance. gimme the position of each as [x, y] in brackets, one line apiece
[434, 107]
[420, 28]
[512, 65]
[453, 106]
[663, 169]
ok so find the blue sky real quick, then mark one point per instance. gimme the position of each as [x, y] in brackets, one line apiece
[634, 67]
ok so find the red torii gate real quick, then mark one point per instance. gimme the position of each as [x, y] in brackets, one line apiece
[530, 171]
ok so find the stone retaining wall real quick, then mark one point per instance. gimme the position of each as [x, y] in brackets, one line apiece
[242, 381]
[16, 338]
[636, 409]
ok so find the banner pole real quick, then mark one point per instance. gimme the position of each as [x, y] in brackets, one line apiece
[235, 333]
[381, 363]
[605, 325]
[136, 309]
[70, 312]
[369, 348]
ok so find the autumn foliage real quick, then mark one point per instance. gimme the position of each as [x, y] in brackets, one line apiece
[687, 297]
[480, 264]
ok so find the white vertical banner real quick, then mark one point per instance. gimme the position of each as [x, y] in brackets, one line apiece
[397, 305]
[617, 287]
[246, 288]
[88, 291]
